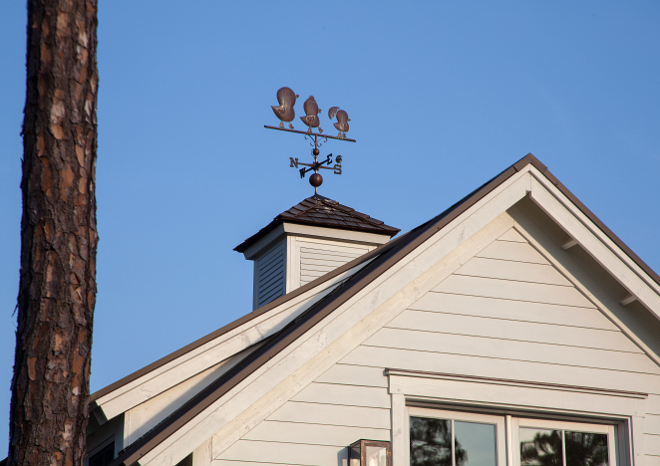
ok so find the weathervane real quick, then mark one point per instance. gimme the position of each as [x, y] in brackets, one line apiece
[285, 112]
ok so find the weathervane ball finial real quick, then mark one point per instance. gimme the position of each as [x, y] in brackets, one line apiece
[316, 180]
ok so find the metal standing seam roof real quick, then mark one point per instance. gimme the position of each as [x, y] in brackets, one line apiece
[323, 212]
[385, 257]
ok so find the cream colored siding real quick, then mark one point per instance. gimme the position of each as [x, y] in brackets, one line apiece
[315, 427]
[270, 275]
[283, 453]
[328, 414]
[318, 257]
[507, 313]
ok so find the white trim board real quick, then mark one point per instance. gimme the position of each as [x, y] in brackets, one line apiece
[619, 407]
[293, 368]
[362, 314]
[213, 352]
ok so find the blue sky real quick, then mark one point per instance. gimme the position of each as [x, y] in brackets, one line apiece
[441, 95]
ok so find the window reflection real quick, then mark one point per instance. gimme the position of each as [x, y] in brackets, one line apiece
[475, 444]
[430, 443]
[543, 447]
[586, 449]
[540, 447]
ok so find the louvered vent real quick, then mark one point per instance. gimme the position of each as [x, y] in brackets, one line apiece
[270, 275]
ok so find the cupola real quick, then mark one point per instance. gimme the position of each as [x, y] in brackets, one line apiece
[307, 241]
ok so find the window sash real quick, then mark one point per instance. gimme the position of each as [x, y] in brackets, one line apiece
[497, 421]
[507, 431]
[563, 426]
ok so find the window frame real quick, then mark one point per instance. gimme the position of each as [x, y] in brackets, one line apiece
[507, 431]
[497, 421]
[608, 429]
[623, 410]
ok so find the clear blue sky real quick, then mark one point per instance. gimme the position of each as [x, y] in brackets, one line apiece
[441, 95]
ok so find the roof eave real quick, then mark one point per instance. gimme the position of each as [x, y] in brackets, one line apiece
[389, 254]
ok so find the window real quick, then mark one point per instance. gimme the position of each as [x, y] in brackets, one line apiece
[104, 456]
[541, 443]
[450, 438]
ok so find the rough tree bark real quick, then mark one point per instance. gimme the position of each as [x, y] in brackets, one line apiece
[57, 289]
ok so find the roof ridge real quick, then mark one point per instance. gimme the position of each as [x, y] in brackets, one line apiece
[389, 254]
[323, 212]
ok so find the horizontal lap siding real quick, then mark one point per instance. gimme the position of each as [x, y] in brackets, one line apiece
[505, 348]
[316, 426]
[320, 257]
[652, 445]
[328, 414]
[502, 368]
[652, 460]
[313, 434]
[507, 313]
[506, 310]
[285, 453]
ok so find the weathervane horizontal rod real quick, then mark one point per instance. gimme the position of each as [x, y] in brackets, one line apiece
[308, 134]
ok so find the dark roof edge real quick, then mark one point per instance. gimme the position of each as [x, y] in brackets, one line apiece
[258, 235]
[398, 250]
[590, 215]
[237, 323]
[391, 253]
[245, 245]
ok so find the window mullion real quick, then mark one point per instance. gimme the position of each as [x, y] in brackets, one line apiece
[563, 448]
[508, 439]
[453, 442]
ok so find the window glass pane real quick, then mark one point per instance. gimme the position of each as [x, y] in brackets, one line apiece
[475, 444]
[586, 449]
[540, 447]
[104, 456]
[430, 442]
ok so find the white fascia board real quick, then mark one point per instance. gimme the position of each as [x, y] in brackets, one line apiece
[289, 371]
[335, 233]
[211, 353]
[593, 240]
[294, 229]
[519, 394]
[584, 283]
[257, 248]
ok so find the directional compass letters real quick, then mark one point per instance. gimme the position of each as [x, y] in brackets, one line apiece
[317, 165]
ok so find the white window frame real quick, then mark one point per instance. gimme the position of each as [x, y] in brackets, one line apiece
[497, 421]
[589, 406]
[507, 431]
[608, 429]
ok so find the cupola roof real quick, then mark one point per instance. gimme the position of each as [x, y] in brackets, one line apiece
[321, 211]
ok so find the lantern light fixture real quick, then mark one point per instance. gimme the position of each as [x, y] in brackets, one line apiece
[370, 453]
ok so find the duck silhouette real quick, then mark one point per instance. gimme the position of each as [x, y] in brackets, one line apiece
[342, 121]
[311, 118]
[287, 99]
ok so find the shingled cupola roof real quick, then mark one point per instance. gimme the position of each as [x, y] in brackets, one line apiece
[306, 242]
[321, 211]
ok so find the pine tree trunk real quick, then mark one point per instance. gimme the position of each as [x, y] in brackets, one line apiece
[57, 289]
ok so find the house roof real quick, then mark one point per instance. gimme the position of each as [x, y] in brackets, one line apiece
[321, 211]
[384, 257]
